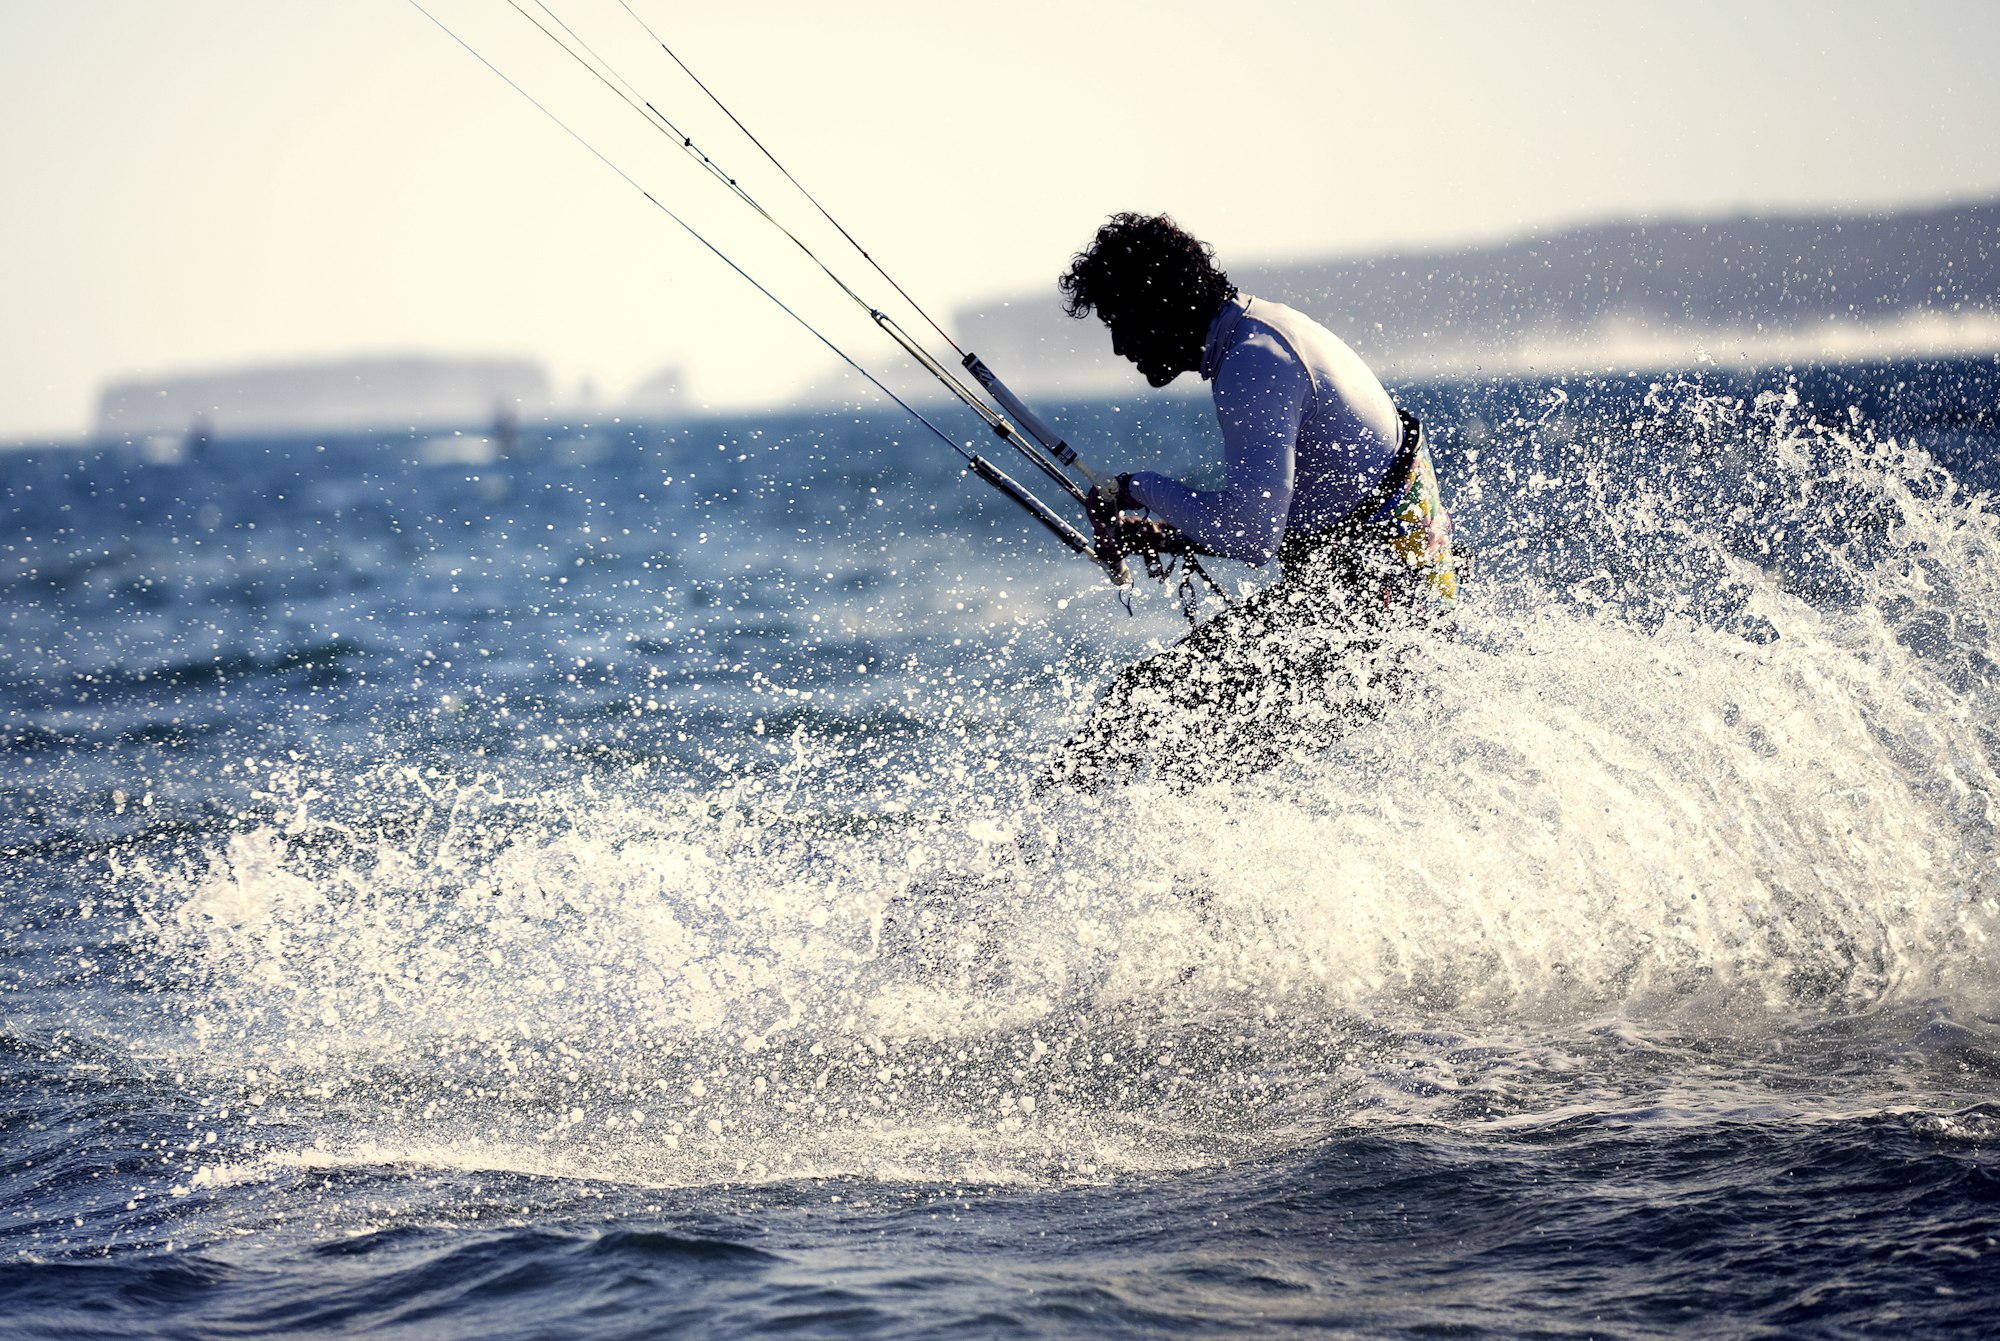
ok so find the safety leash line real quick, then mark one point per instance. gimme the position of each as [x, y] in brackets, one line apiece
[1062, 530]
[658, 121]
[914, 304]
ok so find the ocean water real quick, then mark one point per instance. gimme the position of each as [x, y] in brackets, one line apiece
[594, 891]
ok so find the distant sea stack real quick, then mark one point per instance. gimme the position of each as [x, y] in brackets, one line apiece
[1662, 293]
[361, 393]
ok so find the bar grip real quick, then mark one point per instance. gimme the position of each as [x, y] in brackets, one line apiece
[1113, 564]
[1028, 419]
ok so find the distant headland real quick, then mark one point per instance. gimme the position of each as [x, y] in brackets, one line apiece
[1750, 290]
[1651, 293]
[388, 391]
[374, 392]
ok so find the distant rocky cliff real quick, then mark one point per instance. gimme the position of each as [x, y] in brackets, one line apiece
[382, 392]
[1753, 289]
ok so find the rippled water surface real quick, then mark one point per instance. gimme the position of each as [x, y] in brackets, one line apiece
[596, 891]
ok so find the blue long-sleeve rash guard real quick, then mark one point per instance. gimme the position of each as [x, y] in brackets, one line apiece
[1307, 431]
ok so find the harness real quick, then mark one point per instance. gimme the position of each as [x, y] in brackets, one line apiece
[1399, 533]
[1366, 516]
[1400, 518]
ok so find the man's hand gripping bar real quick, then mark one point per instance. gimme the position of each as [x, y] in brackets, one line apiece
[1104, 489]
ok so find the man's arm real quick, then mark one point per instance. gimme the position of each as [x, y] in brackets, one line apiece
[1260, 399]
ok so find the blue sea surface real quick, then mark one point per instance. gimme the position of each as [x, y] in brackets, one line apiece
[594, 889]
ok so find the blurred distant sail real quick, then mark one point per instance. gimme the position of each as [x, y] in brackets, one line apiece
[361, 393]
[660, 395]
[1658, 293]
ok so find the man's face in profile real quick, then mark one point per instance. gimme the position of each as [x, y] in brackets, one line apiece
[1160, 356]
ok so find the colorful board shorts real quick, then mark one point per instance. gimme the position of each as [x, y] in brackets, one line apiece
[1420, 530]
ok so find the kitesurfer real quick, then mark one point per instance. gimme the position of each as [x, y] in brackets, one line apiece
[1322, 473]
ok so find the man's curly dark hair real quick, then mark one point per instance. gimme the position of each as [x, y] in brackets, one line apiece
[1146, 266]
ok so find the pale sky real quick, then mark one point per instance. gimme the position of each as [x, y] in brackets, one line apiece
[195, 184]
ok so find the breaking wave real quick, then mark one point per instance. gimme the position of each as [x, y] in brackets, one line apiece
[1709, 765]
